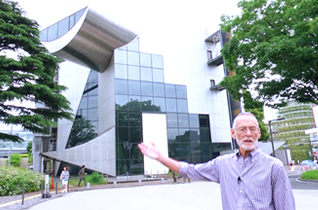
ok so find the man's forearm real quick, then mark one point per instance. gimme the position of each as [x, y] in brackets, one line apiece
[172, 164]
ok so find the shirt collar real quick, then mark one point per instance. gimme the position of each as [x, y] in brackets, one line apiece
[252, 154]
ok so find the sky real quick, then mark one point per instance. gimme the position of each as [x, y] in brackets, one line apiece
[147, 12]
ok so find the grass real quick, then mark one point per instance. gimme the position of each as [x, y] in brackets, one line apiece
[310, 175]
[93, 179]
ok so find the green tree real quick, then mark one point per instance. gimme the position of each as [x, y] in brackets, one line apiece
[15, 160]
[27, 74]
[257, 108]
[273, 49]
[29, 147]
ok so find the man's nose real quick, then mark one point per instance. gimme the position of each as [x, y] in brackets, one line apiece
[248, 132]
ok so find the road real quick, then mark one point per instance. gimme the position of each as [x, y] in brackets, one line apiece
[300, 185]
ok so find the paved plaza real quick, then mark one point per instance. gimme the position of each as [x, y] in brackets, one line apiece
[196, 195]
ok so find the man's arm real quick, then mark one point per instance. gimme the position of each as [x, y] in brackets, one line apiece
[154, 153]
[282, 192]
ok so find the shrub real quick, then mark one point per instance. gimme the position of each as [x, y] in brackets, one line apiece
[13, 180]
[15, 160]
[310, 175]
[95, 178]
[24, 155]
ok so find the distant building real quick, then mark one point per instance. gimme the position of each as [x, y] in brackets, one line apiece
[298, 118]
[15, 147]
[122, 95]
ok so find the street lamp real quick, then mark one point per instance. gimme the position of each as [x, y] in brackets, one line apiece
[271, 133]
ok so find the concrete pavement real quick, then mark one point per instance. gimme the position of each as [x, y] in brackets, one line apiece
[196, 195]
[133, 194]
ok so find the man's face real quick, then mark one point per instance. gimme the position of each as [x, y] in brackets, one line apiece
[246, 132]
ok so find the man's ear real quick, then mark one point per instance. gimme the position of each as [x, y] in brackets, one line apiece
[233, 133]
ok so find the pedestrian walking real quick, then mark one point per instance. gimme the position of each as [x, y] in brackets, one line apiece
[65, 175]
[82, 176]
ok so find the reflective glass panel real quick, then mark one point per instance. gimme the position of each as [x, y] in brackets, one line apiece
[120, 56]
[160, 103]
[145, 74]
[93, 92]
[181, 91]
[121, 71]
[182, 105]
[83, 104]
[135, 135]
[79, 14]
[122, 134]
[172, 133]
[92, 101]
[63, 27]
[134, 46]
[146, 89]
[194, 120]
[145, 59]
[121, 86]
[52, 32]
[135, 119]
[133, 58]
[157, 61]
[93, 114]
[172, 120]
[43, 35]
[83, 113]
[121, 100]
[93, 77]
[170, 90]
[134, 87]
[134, 103]
[159, 89]
[183, 120]
[122, 118]
[157, 75]
[171, 105]
[133, 73]
[147, 104]
[72, 19]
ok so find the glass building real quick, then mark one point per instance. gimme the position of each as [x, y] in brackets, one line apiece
[125, 88]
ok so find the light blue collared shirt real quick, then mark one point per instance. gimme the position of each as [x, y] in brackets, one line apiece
[257, 182]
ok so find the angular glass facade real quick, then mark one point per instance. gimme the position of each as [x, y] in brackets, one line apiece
[84, 126]
[140, 87]
[60, 28]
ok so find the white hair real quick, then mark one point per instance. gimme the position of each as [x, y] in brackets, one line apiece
[244, 114]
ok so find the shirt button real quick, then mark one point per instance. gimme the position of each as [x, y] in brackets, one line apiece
[239, 204]
[241, 191]
[252, 160]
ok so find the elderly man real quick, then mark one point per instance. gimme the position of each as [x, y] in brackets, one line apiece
[249, 179]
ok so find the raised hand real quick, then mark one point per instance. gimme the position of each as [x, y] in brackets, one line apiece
[150, 151]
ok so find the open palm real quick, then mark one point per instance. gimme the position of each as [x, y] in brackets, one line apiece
[150, 151]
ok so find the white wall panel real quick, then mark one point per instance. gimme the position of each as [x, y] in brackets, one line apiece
[154, 129]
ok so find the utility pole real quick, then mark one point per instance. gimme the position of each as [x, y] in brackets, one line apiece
[10, 148]
[271, 133]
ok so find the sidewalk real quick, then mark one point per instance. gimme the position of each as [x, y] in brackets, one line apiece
[15, 202]
[30, 199]
[298, 168]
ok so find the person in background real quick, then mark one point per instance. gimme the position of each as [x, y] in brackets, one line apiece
[249, 179]
[82, 176]
[65, 175]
